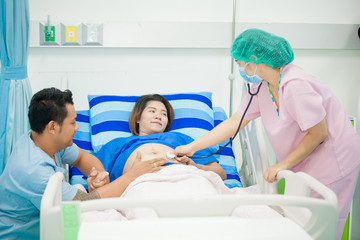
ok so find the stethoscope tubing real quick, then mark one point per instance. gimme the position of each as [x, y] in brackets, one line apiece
[241, 121]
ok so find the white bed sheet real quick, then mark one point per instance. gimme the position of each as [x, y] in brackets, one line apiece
[183, 182]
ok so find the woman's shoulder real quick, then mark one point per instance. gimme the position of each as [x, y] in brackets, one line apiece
[292, 72]
[293, 76]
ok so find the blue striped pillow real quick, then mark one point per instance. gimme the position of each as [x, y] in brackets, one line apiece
[109, 115]
[82, 136]
[82, 139]
[226, 156]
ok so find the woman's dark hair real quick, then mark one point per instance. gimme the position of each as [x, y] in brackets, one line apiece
[48, 105]
[140, 106]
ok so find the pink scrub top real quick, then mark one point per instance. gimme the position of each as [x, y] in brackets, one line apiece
[304, 102]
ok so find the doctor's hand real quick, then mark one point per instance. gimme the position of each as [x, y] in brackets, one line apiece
[141, 167]
[184, 150]
[272, 171]
[97, 179]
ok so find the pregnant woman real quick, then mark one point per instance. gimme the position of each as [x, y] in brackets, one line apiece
[149, 123]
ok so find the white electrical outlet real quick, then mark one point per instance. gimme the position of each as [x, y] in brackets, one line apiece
[92, 34]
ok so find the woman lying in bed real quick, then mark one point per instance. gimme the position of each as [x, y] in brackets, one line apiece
[149, 123]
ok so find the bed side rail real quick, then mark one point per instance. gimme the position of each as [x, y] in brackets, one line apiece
[322, 223]
[50, 224]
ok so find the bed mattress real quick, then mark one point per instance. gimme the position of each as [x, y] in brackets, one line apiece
[195, 228]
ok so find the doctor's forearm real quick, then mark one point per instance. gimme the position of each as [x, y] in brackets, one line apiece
[219, 134]
[308, 144]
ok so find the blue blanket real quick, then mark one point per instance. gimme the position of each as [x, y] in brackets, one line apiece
[114, 154]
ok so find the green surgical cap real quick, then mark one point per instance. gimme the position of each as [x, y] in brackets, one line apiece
[258, 46]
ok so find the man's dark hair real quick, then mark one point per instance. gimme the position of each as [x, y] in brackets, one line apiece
[48, 105]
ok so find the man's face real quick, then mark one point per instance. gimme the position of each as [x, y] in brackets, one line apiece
[68, 128]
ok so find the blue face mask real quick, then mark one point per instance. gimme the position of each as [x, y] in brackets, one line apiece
[251, 79]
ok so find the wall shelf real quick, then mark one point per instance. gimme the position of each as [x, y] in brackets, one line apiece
[214, 35]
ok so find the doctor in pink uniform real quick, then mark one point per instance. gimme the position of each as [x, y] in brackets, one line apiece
[306, 124]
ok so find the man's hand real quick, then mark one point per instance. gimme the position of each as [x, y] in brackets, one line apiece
[97, 179]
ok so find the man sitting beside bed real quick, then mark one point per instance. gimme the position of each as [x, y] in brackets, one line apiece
[40, 153]
[149, 122]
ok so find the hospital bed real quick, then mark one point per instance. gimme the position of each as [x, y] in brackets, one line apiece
[210, 217]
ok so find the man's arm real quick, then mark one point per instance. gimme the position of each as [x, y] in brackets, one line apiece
[83, 196]
[86, 162]
[118, 186]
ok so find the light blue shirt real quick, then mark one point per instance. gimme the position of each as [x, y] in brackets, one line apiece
[23, 183]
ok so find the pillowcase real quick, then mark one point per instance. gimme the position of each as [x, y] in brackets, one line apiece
[82, 136]
[109, 116]
[82, 139]
[226, 156]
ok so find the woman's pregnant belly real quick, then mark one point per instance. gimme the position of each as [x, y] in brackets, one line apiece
[148, 152]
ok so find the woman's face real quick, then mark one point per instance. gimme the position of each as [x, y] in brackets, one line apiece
[153, 119]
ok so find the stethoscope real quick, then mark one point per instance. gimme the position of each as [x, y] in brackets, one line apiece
[171, 156]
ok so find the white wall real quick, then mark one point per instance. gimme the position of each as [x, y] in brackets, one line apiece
[132, 10]
[112, 70]
[131, 71]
